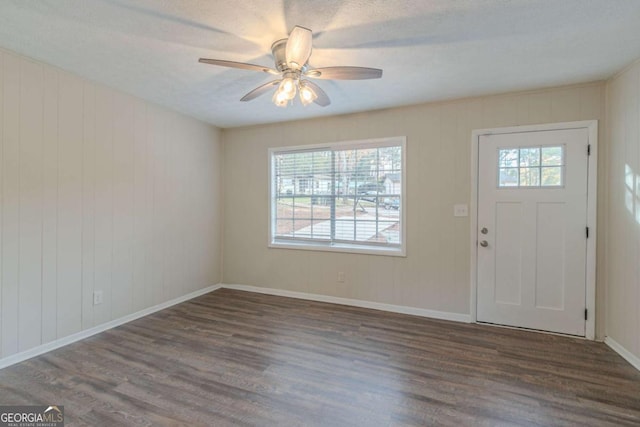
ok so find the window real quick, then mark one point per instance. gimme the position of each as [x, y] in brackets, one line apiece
[531, 167]
[339, 197]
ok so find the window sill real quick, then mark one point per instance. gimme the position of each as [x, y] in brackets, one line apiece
[339, 247]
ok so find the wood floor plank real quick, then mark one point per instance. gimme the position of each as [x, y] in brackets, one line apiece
[239, 358]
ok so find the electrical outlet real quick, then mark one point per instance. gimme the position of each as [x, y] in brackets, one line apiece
[97, 297]
[340, 276]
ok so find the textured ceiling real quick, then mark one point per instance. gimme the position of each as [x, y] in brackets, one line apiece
[429, 49]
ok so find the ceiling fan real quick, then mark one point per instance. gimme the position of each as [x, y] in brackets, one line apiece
[291, 57]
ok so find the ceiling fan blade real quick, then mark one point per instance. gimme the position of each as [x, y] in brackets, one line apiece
[344, 73]
[260, 90]
[241, 65]
[322, 99]
[298, 48]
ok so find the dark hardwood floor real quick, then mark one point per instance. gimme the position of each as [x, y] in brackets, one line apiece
[238, 358]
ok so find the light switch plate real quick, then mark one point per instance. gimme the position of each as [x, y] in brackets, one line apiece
[461, 210]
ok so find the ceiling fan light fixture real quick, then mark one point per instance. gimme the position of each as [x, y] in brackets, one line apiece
[280, 98]
[298, 47]
[307, 94]
[288, 88]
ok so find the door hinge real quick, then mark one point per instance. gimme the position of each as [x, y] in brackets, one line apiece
[588, 149]
[587, 232]
[585, 313]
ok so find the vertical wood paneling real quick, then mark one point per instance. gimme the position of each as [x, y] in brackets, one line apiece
[429, 128]
[636, 284]
[462, 167]
[185, 199]
[93, 197]
[123, 160]
[30, 255]
[211, 214]
[616, 209]
[435, 274]
[103, 202]
[540, 107]
[174, 199]
[636, 287]
[158, 264]
[141, 219]
[632, 252]
[623, 213]
[200, 177]
[70, 119]
[592, 102]
[10, 204]
[565, 105]
[190, 267]
[50, 206]
[88, 202]
[1, 189]
[151, 286]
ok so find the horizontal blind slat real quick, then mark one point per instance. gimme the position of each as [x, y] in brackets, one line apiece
[349, 194]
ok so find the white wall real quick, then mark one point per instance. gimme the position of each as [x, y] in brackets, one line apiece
[435, 275]
[99, 191]
[623, 210]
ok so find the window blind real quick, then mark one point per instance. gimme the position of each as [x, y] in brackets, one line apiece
[342, 194]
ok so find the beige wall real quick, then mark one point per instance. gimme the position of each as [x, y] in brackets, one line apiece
[103, 191]
[99, 191]
[435, 274]
[623, 210]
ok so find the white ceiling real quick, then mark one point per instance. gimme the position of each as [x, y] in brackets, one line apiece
[429, 49]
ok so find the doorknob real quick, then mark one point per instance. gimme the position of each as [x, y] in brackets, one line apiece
[484, 244]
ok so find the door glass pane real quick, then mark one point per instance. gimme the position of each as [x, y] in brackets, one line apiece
[552, 176]
[552, 156]
[508, 177]
[508, 157]
[529, 157]
[529, 177]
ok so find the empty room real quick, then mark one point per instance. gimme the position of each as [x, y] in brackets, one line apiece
[320, 213]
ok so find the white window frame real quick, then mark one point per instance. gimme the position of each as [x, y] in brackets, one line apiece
[340, 246]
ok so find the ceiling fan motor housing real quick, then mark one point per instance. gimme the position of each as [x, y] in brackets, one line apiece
[278, 49]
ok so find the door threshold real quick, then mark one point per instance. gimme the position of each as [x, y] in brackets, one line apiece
[521, 328]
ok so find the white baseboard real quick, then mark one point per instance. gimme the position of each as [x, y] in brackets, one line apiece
[434, 314]
[626, 354]
[44, 348]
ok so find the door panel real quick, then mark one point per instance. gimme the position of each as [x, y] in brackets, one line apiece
[550, 250]
[532, 203]
[508, 259]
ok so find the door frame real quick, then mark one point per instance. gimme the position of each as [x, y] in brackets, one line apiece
[592, 187]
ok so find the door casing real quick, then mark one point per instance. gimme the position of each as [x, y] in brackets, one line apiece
[592, 127]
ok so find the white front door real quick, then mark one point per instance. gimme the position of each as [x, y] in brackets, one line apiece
[532, 218]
